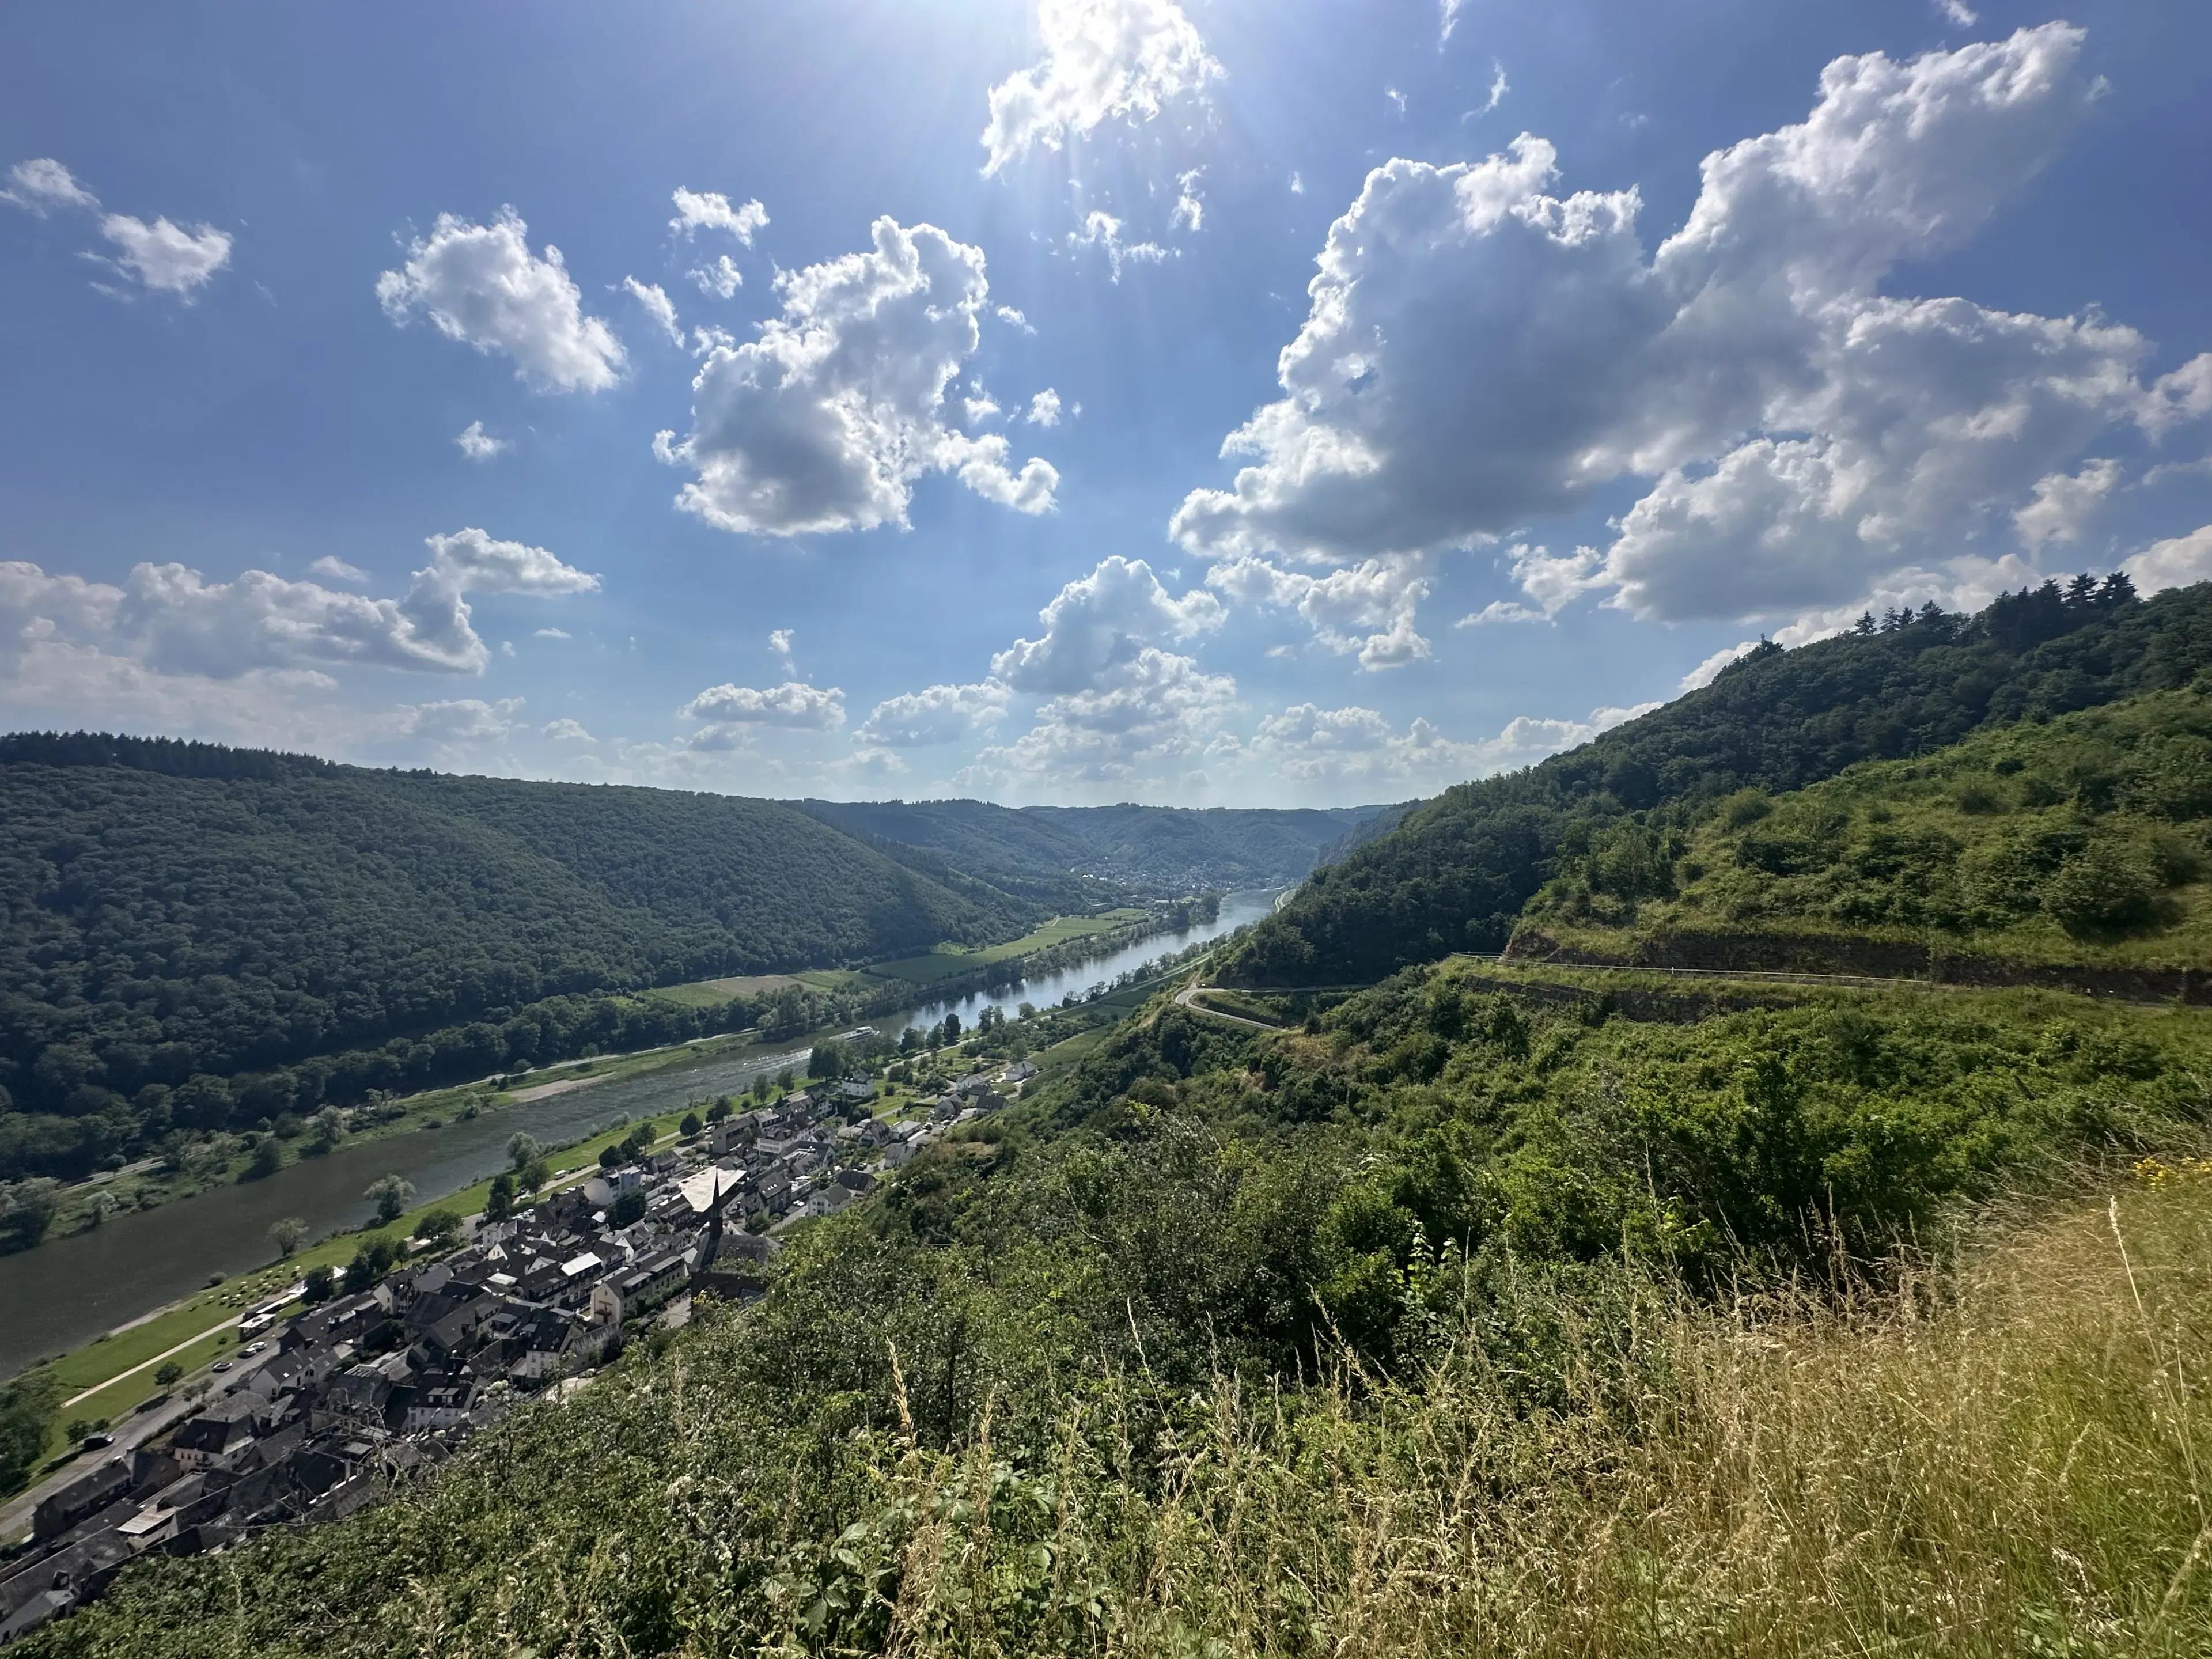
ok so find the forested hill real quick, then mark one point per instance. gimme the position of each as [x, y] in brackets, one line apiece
[1454, 875]
[1048, 851]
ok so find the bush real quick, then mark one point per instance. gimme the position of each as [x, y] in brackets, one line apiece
[2105, 889]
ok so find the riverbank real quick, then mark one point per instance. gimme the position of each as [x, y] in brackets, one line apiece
[100, 1359]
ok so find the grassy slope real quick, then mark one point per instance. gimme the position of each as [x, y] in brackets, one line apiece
[1553, 1449]
[1965, 852]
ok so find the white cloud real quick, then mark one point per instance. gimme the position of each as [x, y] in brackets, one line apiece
[1367, 609]
[1499, 86]
[731, 712]
[1297, 183]
[1117, 704]
[1189, 212]
[1958, 12]
[42, 186]
[1104, 231]
[1307, 743]
[1480, 351]
[697, 210]
[934, 714]
[2178, 562]
[1152, 707]
[2183, 395]
[1447, 19]
[463, 720]
[2064, 503]
[1501, 610]
[481, 285]
[1396, 97]
[656, 304]
[566, 730]
[479, 445]
[1014, 320]
[1099, 623]
[1104, 59]
[1044, 409]
[978, 406]
[166, 257]
[827, 420]
[1708, 671]
[337, 570]
[173, 621]
[722, 279]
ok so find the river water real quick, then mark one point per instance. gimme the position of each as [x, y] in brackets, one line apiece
[68, 1290]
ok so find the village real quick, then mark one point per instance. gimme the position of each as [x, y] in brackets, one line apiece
[320, 1413]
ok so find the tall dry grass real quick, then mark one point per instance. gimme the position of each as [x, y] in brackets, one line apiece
[2011, 1458]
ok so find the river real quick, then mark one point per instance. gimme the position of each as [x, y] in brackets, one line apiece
[68, 1290]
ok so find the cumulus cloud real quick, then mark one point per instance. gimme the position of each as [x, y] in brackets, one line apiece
[41, 186]
[337, 570]
[827, 421]
[1044, 409]
[1118, 703]
[174, 621]
[480, 284]
[2178, 562]
[1365, 610]
[1153, 708]
[460, 721]
[479, 445]
[708, 209]
[1481, 351]
[2064, 503]
[934, 714]
[1104, 231]
[550, 633]
[2183, 395]
[566, 730]
[730, 713]
[1307, 743]
[722, 279]
[654, 300]
[168, 258]
[1105, 59]
[163, 257]
[1014, 320]
[1100, 623]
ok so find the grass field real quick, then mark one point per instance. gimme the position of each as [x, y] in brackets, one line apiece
[948, 960]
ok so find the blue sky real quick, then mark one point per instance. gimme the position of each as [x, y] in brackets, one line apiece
[1206, 403]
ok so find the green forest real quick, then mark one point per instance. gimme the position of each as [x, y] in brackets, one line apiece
[199, 939]
[1456, 873]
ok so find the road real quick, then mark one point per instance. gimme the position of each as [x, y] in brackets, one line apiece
[130, 1433]
[1186, 998]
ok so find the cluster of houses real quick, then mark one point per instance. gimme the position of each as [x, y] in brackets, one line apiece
[368, 1387]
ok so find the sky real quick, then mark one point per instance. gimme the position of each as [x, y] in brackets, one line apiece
[1196, 401]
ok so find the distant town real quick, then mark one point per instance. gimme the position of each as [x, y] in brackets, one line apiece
[367, 1383]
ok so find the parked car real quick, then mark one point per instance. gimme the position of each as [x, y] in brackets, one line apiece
[251, 1349]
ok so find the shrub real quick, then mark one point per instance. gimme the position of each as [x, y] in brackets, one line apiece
[2104, 889]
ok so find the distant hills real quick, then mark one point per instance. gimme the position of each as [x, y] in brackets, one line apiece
[179, 910]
